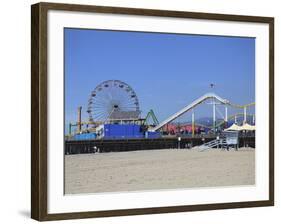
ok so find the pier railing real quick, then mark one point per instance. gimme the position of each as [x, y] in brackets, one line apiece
[115, 145]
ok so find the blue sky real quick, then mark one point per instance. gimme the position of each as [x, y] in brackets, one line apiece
[167, 71]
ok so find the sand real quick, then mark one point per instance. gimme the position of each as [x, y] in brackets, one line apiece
[158, 169]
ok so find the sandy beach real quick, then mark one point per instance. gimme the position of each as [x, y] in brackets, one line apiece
[158, 169]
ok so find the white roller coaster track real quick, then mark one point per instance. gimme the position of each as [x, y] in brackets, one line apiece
[189, 107]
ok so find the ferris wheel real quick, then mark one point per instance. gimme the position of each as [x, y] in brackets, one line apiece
[111, 96]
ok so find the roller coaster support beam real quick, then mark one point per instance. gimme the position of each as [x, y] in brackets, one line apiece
[245, 115]
[193, 124]
[214, 113]
[225, 116]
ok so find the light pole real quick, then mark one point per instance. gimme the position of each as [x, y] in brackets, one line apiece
[179, 142]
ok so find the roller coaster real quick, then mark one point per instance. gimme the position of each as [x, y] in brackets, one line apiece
[215, 100]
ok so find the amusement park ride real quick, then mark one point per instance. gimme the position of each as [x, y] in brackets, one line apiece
[114, 112]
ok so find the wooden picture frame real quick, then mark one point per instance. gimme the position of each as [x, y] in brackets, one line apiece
[39, 108]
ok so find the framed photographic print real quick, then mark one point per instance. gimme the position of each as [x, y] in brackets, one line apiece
[141, 111]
